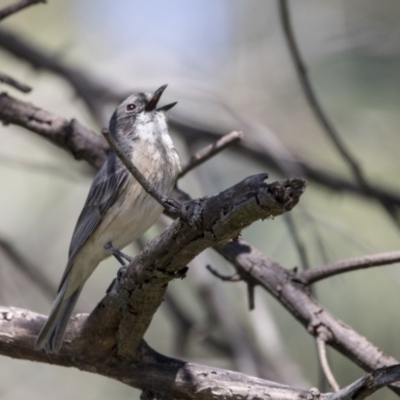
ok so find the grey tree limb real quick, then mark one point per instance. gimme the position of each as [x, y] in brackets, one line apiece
[295, 296]
[174, 378]
[70, 135]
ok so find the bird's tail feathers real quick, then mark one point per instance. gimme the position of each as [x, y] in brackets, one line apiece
[51, 336]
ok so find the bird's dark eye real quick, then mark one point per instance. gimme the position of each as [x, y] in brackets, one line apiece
[131, 107]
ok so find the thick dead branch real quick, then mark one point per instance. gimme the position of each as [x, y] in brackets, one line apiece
[174, 378]
[142, 287]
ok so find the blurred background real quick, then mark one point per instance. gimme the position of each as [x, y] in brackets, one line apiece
[227, 64]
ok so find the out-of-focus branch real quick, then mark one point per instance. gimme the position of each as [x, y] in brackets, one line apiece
[34, 274]
[68, 134]
[14, 8]
[94, 93]
[188, 327]
[210, 151]
[320, 115]
[14, 83]
[352, 264]
[260, 153]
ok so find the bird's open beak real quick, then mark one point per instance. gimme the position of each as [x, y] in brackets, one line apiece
[152, 104]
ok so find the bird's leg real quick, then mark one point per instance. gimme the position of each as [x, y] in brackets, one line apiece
[118, 254]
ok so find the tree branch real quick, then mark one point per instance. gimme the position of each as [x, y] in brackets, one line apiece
[172, 207]
[94, 92]
[296, 298]
[68, 134]
[14, 8]
[323, 359]
[171, 377]
[210, 151]
[352, 264]
[14, 83]
[141, 288]
[320, 115]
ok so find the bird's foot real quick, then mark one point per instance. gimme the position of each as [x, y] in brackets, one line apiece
[118, 254]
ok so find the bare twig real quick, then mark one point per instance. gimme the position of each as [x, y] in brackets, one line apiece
[352, 264]
[262, 154]
[14, 8]
[186, 325]
[33, 273]
[301, 249]
[91, 91]
[170, 205]
[226, 278]
[14, 83]
[210, 151]
[323, 359]
[320, 115]
[236, 278]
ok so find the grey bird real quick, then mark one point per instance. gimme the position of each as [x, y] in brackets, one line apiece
[117, 210]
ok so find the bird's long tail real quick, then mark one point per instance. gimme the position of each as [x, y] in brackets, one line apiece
[51, 336]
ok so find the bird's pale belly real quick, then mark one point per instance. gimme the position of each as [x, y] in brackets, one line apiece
[129, 219]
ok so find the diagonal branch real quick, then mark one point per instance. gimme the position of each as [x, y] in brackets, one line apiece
[210, 151]
[172, 207]
[14, 83]
[141, 288]
[352, 264]
[14, 8]
[68, 134]
[32, 272]
[320, 115]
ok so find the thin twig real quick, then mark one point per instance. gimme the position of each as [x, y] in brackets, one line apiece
[169, 205]
[14, 83]
[225, 278]
[34, 274]
[211, 150]
[323, 359]
[14, 8]
[301, 249]
[352, 264]
[319, 113]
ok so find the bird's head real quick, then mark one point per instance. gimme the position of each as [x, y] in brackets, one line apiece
[139, 108]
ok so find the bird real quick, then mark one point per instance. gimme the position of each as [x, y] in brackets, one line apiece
[117, 210]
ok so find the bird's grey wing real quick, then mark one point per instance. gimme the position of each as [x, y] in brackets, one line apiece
[103, 193]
